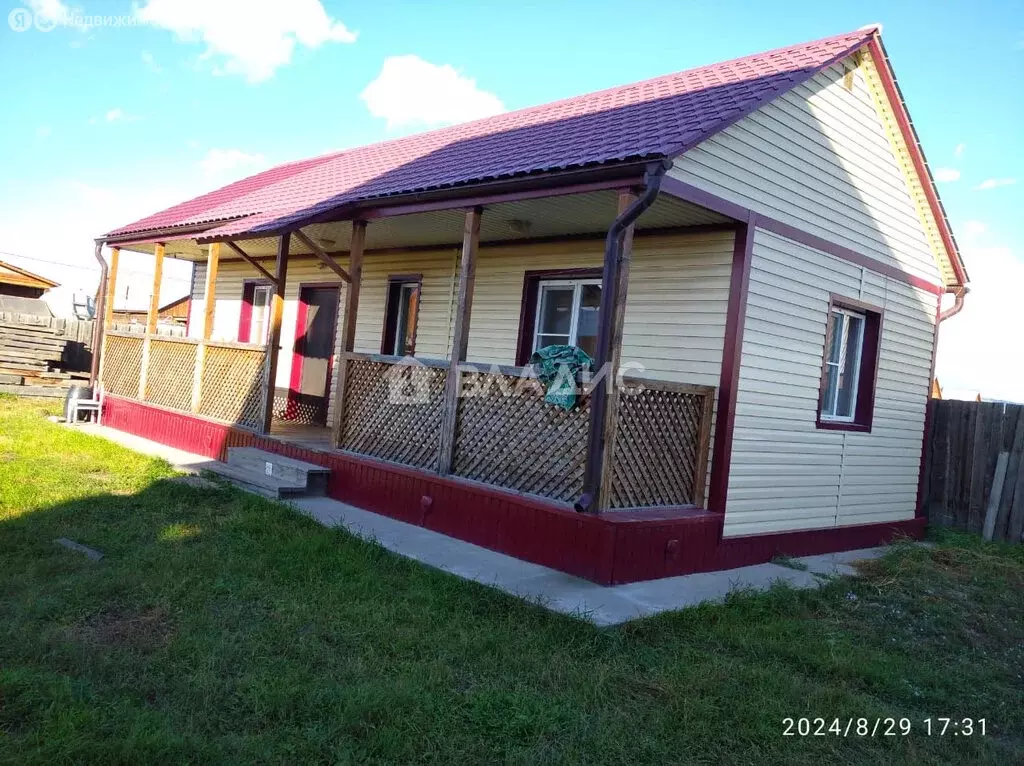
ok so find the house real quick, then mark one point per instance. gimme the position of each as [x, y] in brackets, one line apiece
[176, 312]
[756, 246]
[19, 283]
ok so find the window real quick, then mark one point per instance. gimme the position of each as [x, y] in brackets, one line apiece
[260, 313]
[567, 314]
[254, 322]
[848, 373]
[401, 314]
[559, 308]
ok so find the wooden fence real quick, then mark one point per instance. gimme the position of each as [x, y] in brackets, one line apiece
[77, 334]
[974, 468]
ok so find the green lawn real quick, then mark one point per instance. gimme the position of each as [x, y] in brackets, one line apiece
[220, 627]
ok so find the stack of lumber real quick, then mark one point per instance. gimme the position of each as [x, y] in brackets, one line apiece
[30, 359]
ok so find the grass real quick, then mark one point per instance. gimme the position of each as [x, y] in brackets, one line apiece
[223, 628]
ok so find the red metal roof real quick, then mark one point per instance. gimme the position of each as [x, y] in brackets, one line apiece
[662, 117]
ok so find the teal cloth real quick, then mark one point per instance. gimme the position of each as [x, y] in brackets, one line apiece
[556, 368]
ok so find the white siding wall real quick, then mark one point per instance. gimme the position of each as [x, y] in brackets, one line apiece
[787, 474]
[818, 158]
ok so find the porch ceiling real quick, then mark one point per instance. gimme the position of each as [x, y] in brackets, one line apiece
[569, 215]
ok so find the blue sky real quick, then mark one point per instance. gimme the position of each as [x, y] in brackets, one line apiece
[106, 124]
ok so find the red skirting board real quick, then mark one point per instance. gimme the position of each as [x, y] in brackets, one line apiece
[609, 548]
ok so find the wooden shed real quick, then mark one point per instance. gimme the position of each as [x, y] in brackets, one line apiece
[19, 283]
[753, 253]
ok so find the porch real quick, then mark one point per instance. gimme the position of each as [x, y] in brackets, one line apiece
[628, 443]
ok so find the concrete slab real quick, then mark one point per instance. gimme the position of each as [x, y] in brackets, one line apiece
[551, 589]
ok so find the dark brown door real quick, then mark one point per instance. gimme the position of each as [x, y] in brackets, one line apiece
[314, 349]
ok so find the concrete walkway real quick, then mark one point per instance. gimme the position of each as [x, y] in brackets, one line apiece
[550, 588]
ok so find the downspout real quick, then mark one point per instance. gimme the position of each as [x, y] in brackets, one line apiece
[959, 293]
[99, 315]
[610, 284]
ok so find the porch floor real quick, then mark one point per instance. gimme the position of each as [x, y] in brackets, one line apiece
[310, 437]
[547, 587]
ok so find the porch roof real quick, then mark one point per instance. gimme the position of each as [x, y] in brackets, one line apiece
[657, 118]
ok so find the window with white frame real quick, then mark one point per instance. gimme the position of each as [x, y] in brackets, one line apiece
[567, 312]
[260, 314]
[843, 365]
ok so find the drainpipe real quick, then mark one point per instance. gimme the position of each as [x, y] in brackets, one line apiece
[100, 313]
[959, 293]
[609, 289]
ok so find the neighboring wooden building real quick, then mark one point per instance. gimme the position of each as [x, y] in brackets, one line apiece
[772, 275]
[19, 283]
[175, 312]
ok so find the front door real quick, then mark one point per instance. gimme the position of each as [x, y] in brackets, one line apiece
[313, 352]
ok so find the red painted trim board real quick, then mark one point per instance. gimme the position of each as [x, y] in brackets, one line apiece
[610, 548]
[689, 193]
[736, 313]
[892, 91]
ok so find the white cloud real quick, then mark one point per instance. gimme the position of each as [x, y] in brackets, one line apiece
[946, 175]
[411, 91]
[995, 183]
[224, 162]
[49, 10]
[114, 114]
[250, 39]
[959, 151]
[974, 229]
[44, 131]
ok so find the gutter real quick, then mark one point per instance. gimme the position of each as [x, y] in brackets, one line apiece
[959, 292]
[100, 312]
[653, 176]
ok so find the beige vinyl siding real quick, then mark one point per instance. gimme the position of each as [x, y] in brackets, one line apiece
[818, 158]
[675, 311]
[231, 277]
[787, 474]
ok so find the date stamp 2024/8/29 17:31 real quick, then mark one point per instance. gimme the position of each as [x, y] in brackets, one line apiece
[940, 726]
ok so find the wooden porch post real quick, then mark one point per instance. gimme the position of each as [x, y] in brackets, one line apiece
[348, 325]
[151, 317]
[108, 312]
[209, 312]
[611, 413]
[274, 336]
[154, 299]
[463, 311]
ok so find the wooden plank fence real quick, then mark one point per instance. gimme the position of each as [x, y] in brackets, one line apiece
[974, 468]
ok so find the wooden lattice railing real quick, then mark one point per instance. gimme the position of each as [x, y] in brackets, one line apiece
[393, 409]
[660, 445]
[122, 364]
[171, 372]
[230, 385]
[505, 434]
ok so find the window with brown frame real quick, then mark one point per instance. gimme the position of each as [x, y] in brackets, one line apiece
[401, 314]
[847, 396]
[559, 307]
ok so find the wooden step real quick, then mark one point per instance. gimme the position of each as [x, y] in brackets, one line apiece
[312, 476]
[255, 481]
